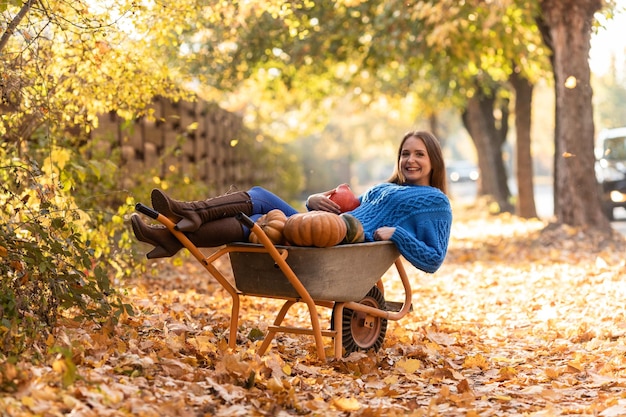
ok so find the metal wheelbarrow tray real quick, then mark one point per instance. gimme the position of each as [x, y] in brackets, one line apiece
[344, 278]
[338, 273]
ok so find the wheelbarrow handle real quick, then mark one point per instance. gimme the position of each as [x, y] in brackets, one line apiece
[245, 220]
[148, 211]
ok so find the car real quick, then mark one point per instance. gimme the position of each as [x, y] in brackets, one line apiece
[611, 169]
[462, 171]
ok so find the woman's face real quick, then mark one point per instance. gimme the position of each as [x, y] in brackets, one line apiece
[414, 162]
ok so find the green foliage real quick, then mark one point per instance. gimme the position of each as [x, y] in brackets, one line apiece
[422, 57]
[64, 244]
[67, 63]
[55, 258]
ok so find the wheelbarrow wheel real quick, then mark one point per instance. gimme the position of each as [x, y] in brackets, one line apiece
[360, 331]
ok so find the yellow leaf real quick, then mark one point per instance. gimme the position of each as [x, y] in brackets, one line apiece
[552, 373]
[391, 379]
[507, 372]
[203, 344]
[3, 251]
[477, 361]
[59, 366]
[287, 369]
[410, 365]
[347, 404]
[503, 398]
[275, 385]
[576, 366]
[28, 401]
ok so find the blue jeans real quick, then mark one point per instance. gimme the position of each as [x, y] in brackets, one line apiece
[264, 201]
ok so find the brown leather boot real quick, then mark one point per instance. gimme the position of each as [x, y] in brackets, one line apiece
[165, 243]
[209, 235]
[188, 216]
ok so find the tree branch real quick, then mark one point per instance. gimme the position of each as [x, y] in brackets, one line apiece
[16, 21]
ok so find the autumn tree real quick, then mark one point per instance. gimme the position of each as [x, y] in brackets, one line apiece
[430, 56]
[62, 236]
[567, 27]
[67, 62]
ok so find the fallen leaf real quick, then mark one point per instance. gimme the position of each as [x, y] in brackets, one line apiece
[347, 404]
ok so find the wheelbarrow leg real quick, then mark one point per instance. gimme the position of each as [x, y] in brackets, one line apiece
[277, 322]
[234, 322]
[316, 330]
[234, 313]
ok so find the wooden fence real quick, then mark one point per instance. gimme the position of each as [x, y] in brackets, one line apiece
[197, 139]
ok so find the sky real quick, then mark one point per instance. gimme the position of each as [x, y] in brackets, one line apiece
[610, 41]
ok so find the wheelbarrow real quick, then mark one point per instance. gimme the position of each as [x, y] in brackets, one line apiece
[345, 278]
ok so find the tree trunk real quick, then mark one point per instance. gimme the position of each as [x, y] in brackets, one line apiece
[568, 24]
[523, 159]
[433, 123]
[480, 123]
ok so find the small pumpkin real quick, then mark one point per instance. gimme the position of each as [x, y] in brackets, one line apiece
[272, 223]
[354, 229]
[315, 228]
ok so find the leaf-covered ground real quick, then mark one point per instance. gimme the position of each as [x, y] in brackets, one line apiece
[520, 321]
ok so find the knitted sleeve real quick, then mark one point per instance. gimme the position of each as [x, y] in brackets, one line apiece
[423, 238]
[427, 253]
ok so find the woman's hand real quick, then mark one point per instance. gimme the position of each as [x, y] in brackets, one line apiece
[321, 201]
[384, 233]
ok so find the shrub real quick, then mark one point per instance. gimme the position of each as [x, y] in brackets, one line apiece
[55, 257]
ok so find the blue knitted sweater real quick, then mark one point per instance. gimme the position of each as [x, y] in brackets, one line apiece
[421, 215]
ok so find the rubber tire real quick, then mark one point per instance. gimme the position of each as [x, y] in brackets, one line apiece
[355, 336]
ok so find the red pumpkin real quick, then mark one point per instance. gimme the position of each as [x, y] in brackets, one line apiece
[345, 198]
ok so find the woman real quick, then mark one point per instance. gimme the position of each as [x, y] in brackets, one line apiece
[411, 209]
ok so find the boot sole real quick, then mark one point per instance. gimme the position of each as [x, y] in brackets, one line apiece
[161, 204]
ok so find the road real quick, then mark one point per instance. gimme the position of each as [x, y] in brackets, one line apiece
[465, 192]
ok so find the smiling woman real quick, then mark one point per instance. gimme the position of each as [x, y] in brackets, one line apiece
[411, 210]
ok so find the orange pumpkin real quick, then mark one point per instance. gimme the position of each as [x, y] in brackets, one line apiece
[272, 223]
[315, 228]
[354, 232]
